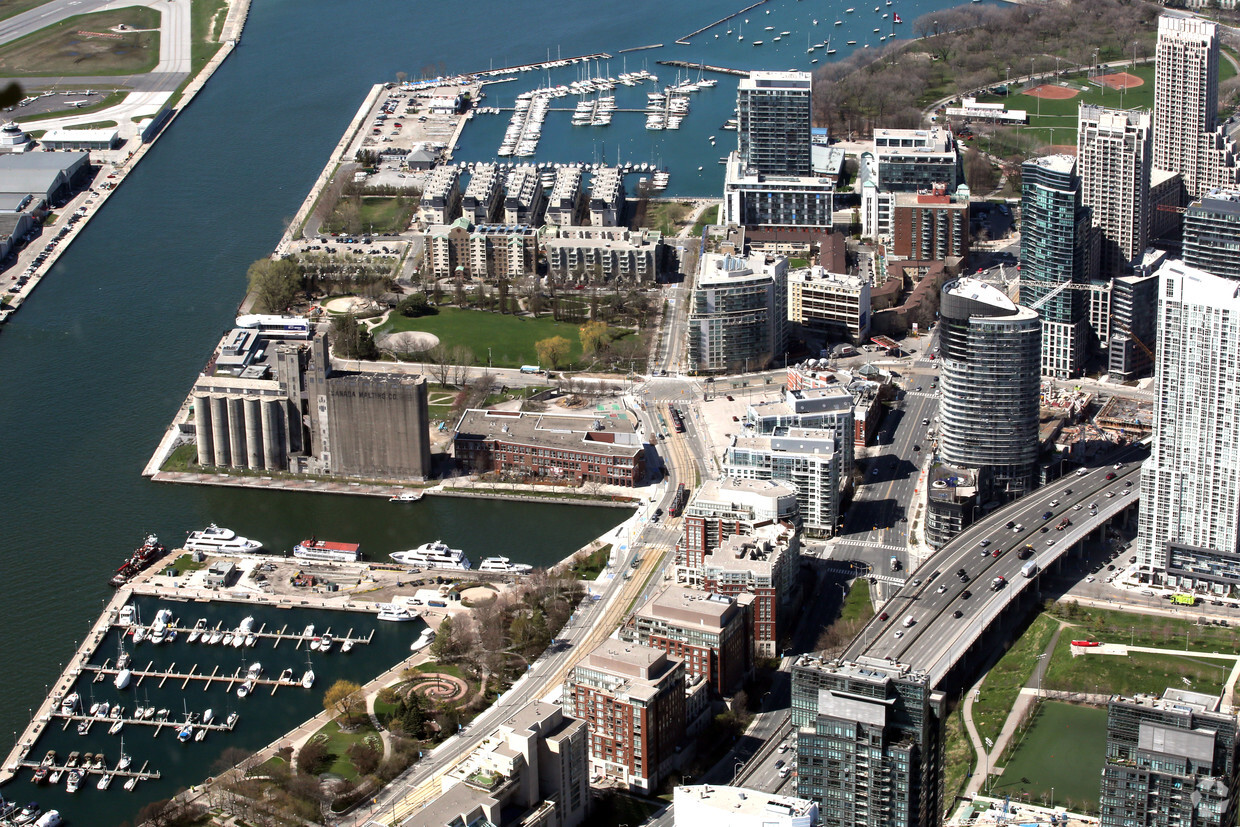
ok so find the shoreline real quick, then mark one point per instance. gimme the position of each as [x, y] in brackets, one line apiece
[93, 198]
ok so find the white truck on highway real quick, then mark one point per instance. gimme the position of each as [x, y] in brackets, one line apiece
[1029, 569]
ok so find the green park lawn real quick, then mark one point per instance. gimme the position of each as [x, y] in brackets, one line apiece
[339, 742]
[1004, 681]
[1143, 672]
[60, 49]
[510, 338]
[1062, 751]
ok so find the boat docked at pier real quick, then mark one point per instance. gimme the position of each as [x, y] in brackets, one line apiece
[503, 564]
[216, 540]
[327, 551]
[405, 497]
[142, 558]
[435, 554]
[395, 612]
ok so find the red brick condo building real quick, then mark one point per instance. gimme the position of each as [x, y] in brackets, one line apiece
[569, 447]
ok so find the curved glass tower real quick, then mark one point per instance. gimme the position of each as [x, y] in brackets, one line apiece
[991, 351]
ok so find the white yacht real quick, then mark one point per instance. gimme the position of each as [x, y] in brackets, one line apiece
[424, 640]
[255, 670]
[198, 629]
[122, 678]
[307, 680]
[216, 637]
[503, 564]
[435, 554]
[216, 540]
[245, 689]
[308, 632]
[74, 781]
[127, 616]
[325, 644]
[69, 705]
[395, 612]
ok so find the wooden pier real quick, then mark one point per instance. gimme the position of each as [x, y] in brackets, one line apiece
[684, 41]
[705, 67]
[159, 724]
[238, 677]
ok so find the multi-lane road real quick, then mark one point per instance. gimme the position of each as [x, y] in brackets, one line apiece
[932, 598]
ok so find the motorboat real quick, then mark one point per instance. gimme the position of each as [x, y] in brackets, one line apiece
[104, 782]
[138, 712]
[346, 646]
[286, 676]
[130, 783]
[406, 497]
[163, 714]
[102, 709]
[185, 732]
[116, 727]
[28, 813]
[216, 637]
[208, 716]
[73, 759]
[395, 612]
[231, 721]
[255, 670]
[307, 632]
[328, 551]
[228, 638]
[69, 706]
[40, 775]
[435, 554]
[199, 628]
[216, 540]
[503, 564]
[94, 708]
[73, 781]
[315, 644]
[49, 759]
[250, 640]
[247, 625]
[238, 639]
[55, 776]
[83, 728]
[98, 763]
[50, 819]
[325, 644]
[245, 689]
[163, 619]
[307, 680]
[158, 635]
[127, 615]
[122, 678]
[139, 634]
[423, 640]
[148, 713]
[200, 734]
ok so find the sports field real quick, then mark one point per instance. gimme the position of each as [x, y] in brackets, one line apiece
[1053, 120]
[1064, 751]
[510, 338]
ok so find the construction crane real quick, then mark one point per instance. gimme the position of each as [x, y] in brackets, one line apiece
[1059, 288]
[1128, 330]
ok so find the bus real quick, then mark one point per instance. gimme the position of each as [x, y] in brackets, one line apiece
[678, 502]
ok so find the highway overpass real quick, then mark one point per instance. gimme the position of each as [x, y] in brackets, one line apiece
[936, 639]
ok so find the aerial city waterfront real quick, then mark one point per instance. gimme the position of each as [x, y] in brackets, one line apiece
[779, 414]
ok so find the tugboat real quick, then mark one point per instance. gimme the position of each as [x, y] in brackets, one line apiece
[142, 558]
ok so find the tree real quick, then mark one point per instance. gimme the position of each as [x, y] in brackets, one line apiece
[439, 365]
[313, 757]
[274, 284]
[351, 340]
[344, 697]
[364, 757]
[594, 337]
[461, 358]
[553, 351]
[445, 645]
[416, 306]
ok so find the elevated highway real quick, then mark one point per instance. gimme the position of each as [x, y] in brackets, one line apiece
[935, 640]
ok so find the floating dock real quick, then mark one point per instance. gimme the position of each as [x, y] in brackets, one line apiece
[684, 41]
[164, 675]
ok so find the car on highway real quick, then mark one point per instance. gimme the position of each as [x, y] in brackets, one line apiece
[957, 614]
[1080, 472]
[884, 616]
[984, 543]
[1026, 552]
[1077, 507]
[941, 588]
[916, 447]
[1046, 515]
[1118, 466]
[966, 594]
[985, 552]
[1110, 494]
[997, 552]
[998, 583]
[960, 572]
[1054, 503]
[1110, 475]
[784, 772]
[779, 765]
[899, 633]
[1051, 541]
[1045, 529]
[1010, 524]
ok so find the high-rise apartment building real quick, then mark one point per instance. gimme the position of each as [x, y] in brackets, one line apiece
[721, 508]
[1212, 233]
[1113, 158]
[913, 160]
[989, 354]
[1057, 246]
[1170, 762]
[632, 698]
[869, 745]
[1186, 139]
[933, 225]
[709, 632]
[1189, 527]
[807, 458]
[773, 122]
[738, 313]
